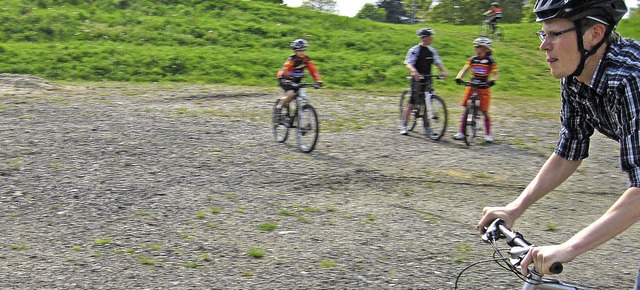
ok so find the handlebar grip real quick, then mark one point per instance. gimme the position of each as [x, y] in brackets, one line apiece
[556, 268]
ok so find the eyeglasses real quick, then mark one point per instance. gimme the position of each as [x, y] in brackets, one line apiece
[552, 36]
[478, 46]
[300, 50]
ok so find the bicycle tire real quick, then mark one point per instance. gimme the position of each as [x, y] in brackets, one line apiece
[499, 33]
[469, 126]
[404, 101]
[439, 118]
[484, 29]
[307, 128]
[280, 123]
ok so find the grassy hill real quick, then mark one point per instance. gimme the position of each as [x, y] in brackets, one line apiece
[241, 43]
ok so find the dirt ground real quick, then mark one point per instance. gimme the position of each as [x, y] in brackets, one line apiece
[124, 186]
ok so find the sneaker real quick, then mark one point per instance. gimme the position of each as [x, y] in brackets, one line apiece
[458, 136]
[488, 138]
[403, 131]
[428, 131]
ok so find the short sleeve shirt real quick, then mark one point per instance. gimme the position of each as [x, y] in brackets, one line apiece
[422, 57]
[610, 104]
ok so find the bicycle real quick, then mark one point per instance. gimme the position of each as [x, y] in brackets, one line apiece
[485, 30]
[304, 118]
[470, 126]
[435, 110]
[519, 247]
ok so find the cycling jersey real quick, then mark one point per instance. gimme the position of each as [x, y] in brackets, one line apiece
[422, 58]
[496, 12]
[293, 69]
[481, 67]
[609, 104]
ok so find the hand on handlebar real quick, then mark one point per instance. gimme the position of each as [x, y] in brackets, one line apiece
[546, 260]
[459, 81]
[319, 84]
[491, 83]
[489, 214]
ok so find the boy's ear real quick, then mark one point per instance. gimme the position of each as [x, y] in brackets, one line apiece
[596, 33]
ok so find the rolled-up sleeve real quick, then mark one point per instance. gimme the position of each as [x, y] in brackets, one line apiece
[630, 128]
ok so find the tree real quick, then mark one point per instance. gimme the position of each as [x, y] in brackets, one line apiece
[371, 12]
[470, 11]
[417, 9]
[394, 8]
[527, 14]
[327, 6]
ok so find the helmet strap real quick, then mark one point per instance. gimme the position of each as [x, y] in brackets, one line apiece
[584, 53]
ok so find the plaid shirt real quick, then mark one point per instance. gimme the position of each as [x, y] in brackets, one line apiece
[610, 104]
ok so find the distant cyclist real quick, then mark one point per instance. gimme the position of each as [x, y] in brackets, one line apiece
[485, 69]
[494, 14]
[419, 60]
[293, 71]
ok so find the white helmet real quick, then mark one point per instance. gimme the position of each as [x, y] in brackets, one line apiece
[484, 41]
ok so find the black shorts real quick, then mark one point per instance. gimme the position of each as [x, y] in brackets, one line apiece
[288, 87]
[417, 91]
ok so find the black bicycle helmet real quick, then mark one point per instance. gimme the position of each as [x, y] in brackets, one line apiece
[495, 4]
[299, 43]
[607, 12]
[422, 32]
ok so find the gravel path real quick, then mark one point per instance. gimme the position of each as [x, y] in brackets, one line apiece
[123, 186]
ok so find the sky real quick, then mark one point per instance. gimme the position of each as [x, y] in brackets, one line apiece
[352, 7]
[345, 7]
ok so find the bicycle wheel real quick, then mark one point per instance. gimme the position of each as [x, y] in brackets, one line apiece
[439, 117]
[499, 33]
[404, 101]
[281, 123]
[470, 125]
[484, 29]
[308, 128]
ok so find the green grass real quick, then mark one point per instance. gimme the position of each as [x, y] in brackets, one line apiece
[245, 43]
[268, 226]
[256, 252]
[102, 242]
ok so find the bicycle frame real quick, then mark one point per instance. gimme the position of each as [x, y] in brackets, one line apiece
[428, 92]
[301, 99]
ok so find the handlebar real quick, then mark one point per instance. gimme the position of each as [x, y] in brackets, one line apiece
[519, 246]
[304, 85]
[422, 77]
[476, 84]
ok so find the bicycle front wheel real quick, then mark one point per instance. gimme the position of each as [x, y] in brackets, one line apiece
[405, 97]
[438, 118]
[469, 125]
[281, 123]
[485, 29]
[499, 33]
[308, 129]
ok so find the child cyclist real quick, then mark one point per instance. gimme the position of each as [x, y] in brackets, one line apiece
[484, 69]
[293, 71]
[494, 14]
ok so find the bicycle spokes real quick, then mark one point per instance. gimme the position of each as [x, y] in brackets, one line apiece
[307, 128]
[281, 123]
